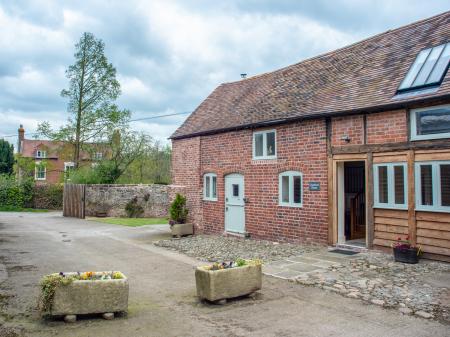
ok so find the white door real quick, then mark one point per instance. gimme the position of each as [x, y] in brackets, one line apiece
[234, 203]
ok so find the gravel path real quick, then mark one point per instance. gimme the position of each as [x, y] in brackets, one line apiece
[219, 248]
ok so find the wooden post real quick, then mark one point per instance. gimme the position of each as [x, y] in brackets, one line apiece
[330, 202]
[369, 201]
[412, 227]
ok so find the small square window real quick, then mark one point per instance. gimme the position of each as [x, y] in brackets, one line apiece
[264, 145]
[290, 189]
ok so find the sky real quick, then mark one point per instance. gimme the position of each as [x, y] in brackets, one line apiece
[170, 54]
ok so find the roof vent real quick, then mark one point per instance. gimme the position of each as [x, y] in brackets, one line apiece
[243, 75]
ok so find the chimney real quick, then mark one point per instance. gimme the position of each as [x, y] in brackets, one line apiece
[243, 75]
[21, 138]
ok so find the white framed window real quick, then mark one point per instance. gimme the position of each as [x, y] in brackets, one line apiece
[98, 156]
[210, 187]
[68, 168]
[265, 144]
[41, 154]
[40, 171]
[290, 187]
[430, 123]
[433, 186]
[390, 185]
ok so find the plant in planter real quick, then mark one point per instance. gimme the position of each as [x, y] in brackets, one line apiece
[178, 216]
[71, 294]
[405, 252]
[220, 281]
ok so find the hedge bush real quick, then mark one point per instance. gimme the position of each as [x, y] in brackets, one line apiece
[15, 193]
[48, 196]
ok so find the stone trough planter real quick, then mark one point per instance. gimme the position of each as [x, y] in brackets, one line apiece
[91, 296]
[182, 229]
[220, 285]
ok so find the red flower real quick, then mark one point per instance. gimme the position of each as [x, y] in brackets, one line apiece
[399, 239]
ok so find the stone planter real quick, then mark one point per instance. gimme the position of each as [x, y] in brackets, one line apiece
[216, 285]
[90, 297]
[181, 229]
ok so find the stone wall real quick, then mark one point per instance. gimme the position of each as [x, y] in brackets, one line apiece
[112, 199]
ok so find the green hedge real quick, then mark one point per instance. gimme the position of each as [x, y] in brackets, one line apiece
[14, 193]
[21, 194]
[48, 196]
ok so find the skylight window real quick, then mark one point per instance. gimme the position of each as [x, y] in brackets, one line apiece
[428, 69]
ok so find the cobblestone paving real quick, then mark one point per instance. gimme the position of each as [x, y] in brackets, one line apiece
[373, 277]
[421, 289]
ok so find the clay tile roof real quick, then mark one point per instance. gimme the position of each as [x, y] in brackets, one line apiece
[358, 77]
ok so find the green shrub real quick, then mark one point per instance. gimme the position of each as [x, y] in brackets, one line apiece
[133, 209]
[178, 211]
[15, 193]
[48, 196]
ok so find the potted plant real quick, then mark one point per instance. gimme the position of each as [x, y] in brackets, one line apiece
[71, 294]
[178, 216]
[405, 252]
[218, 282]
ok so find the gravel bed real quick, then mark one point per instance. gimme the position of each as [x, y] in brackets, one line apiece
[219, 248]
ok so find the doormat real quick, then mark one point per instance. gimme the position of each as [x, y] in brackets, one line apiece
[343, 251]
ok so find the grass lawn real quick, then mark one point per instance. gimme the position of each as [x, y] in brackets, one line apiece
[133, 222]
[21, 209]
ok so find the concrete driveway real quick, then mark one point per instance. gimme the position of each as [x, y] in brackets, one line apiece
[162, 289]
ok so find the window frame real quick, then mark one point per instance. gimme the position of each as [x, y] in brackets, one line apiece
[264, 133]
[436, 186]
[41, 154]
[413, 123]
[291, 175]
[67, 164]
[211, 177]
[40, 164]
[98, 156]
[390, 186]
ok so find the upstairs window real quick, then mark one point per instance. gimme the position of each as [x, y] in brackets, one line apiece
[41, 154]
[290, 189]
[430, 123]
[428, 69]
[390, 185]
[98, 156]
[265, 144]
[210, 187]
[40, 171]
[433, 186]
[68, 169]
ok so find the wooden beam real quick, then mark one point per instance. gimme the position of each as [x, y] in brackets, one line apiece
[330, 202]
[411, 199]
[403, 146]
[369, 200]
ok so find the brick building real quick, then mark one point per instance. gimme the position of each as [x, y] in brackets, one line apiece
[52, 160]
[350, 147]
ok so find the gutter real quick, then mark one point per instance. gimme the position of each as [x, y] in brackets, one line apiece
[373, 109]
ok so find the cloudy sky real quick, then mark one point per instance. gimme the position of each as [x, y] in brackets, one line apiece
[170, 54]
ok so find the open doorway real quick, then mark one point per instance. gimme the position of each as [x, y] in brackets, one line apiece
[352, 203]
[355, 203]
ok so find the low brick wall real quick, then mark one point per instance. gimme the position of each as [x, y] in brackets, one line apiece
[112, 199]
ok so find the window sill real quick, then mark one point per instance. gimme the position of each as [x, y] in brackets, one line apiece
[291, 205]
[265, 158]
[209, 199]
[432, 210]
[400, 208]
[430, 137]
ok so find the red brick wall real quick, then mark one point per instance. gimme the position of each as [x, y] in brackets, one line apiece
[186, 173]
[387, 127]
[351, 126]
[301, 147]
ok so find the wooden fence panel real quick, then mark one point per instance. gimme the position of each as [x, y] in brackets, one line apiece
[73, 200]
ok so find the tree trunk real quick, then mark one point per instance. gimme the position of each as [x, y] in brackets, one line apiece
[80, 111]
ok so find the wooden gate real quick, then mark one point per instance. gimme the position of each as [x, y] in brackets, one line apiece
[73, 200]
